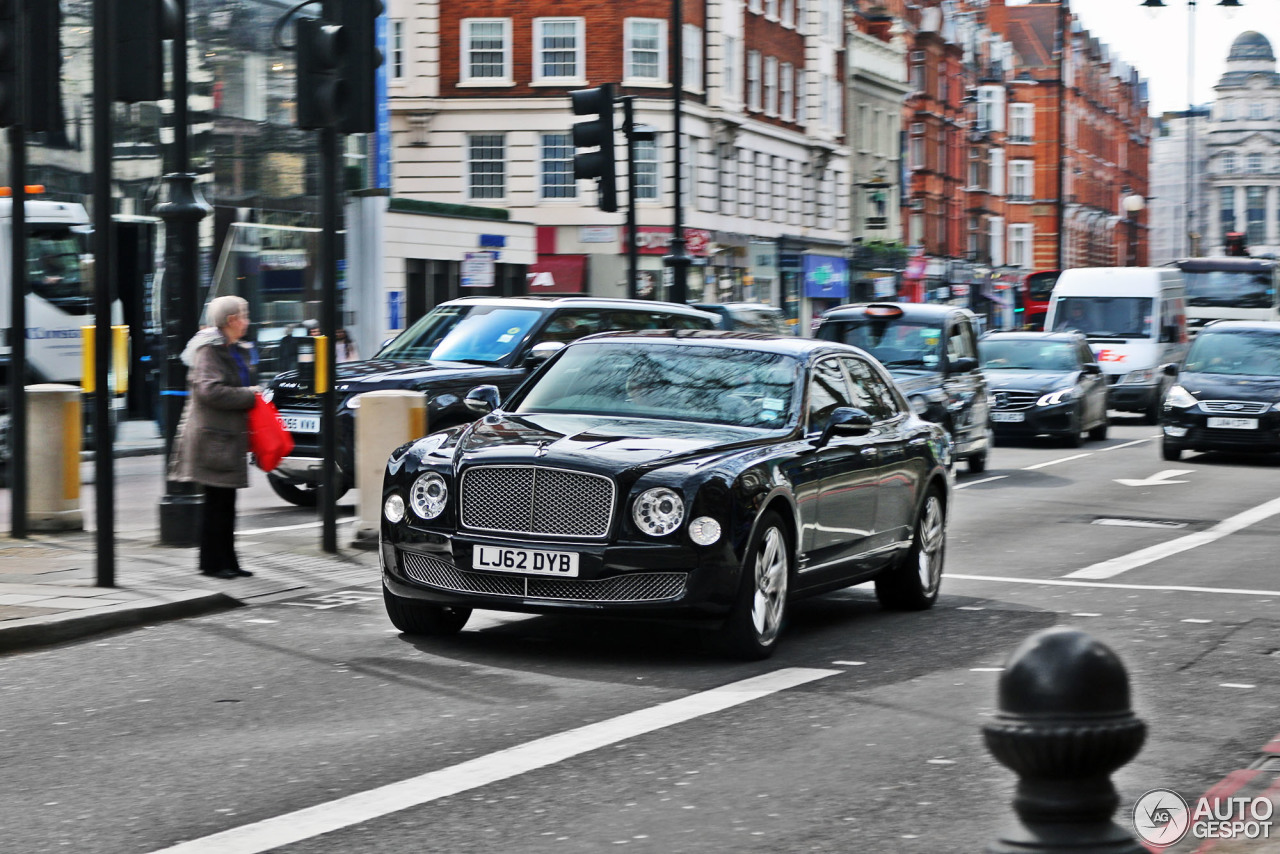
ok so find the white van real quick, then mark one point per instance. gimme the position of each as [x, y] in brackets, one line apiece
[1136, 321]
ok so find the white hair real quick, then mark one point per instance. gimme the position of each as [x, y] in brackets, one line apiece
[222, 309]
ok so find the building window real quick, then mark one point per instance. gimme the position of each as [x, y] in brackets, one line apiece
[1020, 246]
[943, 89]
[1021, 181]
[915, 153]
[756, 6]
[917, 77]
[646, 40]
[990, 108]
[397, 65]
[771, 8]
[692, 45]
[787, 87]
[788, 13]
[770, 86]
[1256, 214]
[486, 165]
[1228, 163]
[729, 69]
[557, 49]
[1257, 111]
[486, 49]
[1227, 208]
[1022, 122]
[1253, 163]
[996, 240]
[557, 167]
[646, 170]
[1227, 111]
[753, 80]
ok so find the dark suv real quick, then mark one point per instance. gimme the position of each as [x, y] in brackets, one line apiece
[932, 352]
[457, 346]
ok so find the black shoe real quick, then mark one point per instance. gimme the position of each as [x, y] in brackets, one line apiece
[243, 573]
[219, 573]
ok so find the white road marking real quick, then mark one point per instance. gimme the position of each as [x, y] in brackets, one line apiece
[1235, 685]
[1157, 479]
[1055, 462]
[1086, 614]
[849, 663]
[1138, 523]
[291, 527]
[368, 805]
[1142, 557]
[1194, 620]
[1126, 444]
[984, 480]
[1058, 582]
[986, 669]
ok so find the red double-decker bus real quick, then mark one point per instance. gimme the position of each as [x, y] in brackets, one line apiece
[1033, 297]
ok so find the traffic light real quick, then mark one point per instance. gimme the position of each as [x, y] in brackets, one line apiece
[359, 65]
[9, 75]
[141, 28]
[322, 93]
[596, 133]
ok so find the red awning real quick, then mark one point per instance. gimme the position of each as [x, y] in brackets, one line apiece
[558, 274]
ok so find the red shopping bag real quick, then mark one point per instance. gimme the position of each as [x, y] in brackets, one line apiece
[268, 440]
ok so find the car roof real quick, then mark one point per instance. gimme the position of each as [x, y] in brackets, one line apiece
[753, 306]
[583, 302]
[1241, 326]
[766, 342]
[933, 311]
[1010, 335]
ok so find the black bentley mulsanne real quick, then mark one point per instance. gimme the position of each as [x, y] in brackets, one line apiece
[689, 474]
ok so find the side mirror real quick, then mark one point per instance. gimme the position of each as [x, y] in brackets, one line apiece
[482, 399]
[963, 365]
[846, 421]
[1170, 370]
[1092, 368]
[542, 351]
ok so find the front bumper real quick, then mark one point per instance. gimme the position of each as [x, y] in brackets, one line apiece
[1189, 429]
[1057, 420]
[1133, 398]
[628, 579]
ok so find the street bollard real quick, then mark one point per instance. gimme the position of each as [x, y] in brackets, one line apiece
[385, 420]
[53, 458]
[1064, 726]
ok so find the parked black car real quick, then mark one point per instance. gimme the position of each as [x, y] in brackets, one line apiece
[1045, 384]
[460, 344]
[712, 476]
[1227, 393]
[747, 316]
[932, 352]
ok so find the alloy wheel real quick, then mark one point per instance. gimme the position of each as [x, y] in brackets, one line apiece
[932, 538]
[770, 586]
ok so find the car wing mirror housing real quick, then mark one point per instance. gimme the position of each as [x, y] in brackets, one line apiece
[1092, 368]
[542, 351]
[482, 399]
[846, 421]
[1171, 369]
[963, 364]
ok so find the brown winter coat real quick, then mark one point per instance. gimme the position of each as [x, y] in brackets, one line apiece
[212, 443]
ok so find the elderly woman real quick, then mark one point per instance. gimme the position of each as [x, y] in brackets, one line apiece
[212, 441]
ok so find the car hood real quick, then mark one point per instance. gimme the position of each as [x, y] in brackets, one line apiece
[598, 443]
[1227, 387]
[385, 373]
[910, 380]
[1028, 380]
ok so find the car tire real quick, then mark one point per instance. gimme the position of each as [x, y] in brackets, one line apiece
[976, 463]
[752, 629]
[912, 583]
[1099, 432]
[1170, 451]
[423, 618]
[1152, 413]
[302, 496]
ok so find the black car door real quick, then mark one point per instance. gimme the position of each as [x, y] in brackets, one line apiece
[1094, 387]
[966, 391]
[899, 472]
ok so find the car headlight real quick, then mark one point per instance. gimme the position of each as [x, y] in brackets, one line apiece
[353, 402]
[1053, 398]
[268, 394]
[1146, 376]
[428, 495]
[658, 511]
[393, 507]
[1276, 407]
[1180, 398]
[704, 530]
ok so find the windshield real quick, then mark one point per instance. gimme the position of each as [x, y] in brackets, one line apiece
[1006, 355]
[896, 342]
[1240, 353]
[54, 272]
[1230, 289]
[486, 334]
[715, 385]
[1104, 317]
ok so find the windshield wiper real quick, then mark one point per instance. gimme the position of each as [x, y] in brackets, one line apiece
[903, 363]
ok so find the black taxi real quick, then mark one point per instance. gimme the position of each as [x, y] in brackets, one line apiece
[932, 353]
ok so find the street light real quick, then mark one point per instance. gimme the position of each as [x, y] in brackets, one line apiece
[1192, 232]
[1133, 205]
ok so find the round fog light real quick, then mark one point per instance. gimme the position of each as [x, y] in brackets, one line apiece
[1175, 432]
[704, 530]
[393, 508]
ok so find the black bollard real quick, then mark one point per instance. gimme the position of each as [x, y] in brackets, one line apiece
[1064, 726]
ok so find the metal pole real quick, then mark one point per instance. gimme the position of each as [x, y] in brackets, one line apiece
[1064, 19]
[678, 260]
[1192, 249]
[633, 256]
[181, 212]
[18, 325]
[329, 324]
[104, 279]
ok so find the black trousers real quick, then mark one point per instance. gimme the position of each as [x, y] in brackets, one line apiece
[218, 530]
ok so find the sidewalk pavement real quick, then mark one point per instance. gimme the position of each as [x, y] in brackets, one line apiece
[48, 591]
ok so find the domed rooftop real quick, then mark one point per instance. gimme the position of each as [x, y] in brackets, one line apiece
[1251, 45]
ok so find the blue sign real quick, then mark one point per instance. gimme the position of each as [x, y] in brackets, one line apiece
[493, 241]
[826, 277]
[395, 300]
[381, 141]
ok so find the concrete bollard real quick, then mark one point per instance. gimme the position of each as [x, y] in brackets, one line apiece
[1064, 726]
[385, 420]
[53, 458]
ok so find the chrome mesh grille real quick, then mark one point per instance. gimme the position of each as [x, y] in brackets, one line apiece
[532, 500]
[634, 587]
[1006, 400]
[1235, 407]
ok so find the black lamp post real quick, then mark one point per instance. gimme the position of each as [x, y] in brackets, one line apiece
[182, 212]
[679, 260]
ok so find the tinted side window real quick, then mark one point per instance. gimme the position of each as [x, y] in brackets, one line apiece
[571, 324]
[960, 341]
[827, 390]
[657, 320]
[870, 392]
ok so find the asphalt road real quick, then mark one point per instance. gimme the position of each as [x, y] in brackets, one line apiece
[861, 734]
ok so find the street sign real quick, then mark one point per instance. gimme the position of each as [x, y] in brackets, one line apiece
[477, 270]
